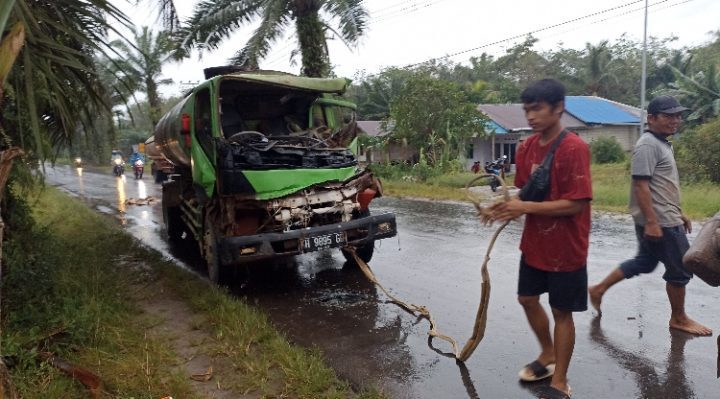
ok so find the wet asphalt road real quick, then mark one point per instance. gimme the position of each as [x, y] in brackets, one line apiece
[435, 261]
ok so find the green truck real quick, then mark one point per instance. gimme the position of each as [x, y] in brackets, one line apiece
[263, 165]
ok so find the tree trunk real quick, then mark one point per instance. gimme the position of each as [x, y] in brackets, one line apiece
[153, 101]
[311, 34]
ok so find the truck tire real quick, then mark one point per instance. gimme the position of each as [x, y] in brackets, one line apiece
[217, 273]
[364, 252]
[160, 176]
[173, 222]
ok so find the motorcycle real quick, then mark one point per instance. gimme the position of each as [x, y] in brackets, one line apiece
[138, 168]
[118, 167]
[496, 168]
[78, 163]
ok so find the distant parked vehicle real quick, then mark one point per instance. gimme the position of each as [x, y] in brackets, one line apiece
[497, 168]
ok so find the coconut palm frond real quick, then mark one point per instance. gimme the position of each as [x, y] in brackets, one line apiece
[352, 18]
[214, 21]
[274, 20]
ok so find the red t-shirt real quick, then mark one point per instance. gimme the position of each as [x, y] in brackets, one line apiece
[557, 243]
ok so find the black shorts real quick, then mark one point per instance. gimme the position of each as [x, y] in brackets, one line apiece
[568, 291]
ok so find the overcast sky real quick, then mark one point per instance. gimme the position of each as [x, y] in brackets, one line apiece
[406, 32]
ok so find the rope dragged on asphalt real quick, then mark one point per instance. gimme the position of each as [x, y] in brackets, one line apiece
[422, 311]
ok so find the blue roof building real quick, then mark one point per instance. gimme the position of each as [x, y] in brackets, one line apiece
[590, 117]
[599, 111]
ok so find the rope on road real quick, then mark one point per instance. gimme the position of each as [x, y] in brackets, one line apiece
[423, 311]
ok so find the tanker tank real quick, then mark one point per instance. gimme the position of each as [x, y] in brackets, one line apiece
[172, 134]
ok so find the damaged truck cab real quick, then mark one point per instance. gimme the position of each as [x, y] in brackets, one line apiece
[264, 167]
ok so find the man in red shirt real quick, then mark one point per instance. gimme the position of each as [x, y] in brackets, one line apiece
[555, 239]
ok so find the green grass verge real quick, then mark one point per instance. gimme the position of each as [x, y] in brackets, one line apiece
[444, 187]
[66, 273]
[611, 190]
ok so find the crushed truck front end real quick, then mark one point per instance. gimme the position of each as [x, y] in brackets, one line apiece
[266, 167]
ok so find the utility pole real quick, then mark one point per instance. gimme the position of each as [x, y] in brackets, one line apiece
[643, 78]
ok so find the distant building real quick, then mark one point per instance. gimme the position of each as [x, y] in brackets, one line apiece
[589, 116]
[394, 152]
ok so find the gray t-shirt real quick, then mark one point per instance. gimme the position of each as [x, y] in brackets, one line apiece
[653, 159]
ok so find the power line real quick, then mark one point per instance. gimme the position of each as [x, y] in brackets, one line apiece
[409, 9]
[624, 14]
[605, 11]
[415, 7]
[383, 12]
[380, 11]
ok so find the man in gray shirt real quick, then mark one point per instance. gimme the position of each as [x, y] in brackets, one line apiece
[660, 225]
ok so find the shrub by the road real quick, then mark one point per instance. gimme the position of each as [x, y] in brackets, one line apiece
[698, 153]
[606, 149]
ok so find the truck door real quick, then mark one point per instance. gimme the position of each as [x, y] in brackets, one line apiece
[203, 122]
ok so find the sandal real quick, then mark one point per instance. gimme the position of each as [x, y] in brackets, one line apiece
[554, 393]
[535, 371]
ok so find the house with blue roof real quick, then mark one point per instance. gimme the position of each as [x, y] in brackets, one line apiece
[590, 117]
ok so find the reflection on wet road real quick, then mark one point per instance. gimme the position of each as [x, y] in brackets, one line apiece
[435, 261]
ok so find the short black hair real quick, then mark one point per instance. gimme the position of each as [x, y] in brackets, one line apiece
[550, 91]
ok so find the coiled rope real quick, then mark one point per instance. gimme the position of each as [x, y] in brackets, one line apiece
[424, 312]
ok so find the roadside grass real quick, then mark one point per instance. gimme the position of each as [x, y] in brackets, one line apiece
[611, 190]
[611, 187]
[444, 187]
[66, 275]
[64, 295]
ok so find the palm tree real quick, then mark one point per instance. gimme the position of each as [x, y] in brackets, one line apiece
[599, 60]
[52, 81]
[215, 21]
[142, 64]
[379, 92]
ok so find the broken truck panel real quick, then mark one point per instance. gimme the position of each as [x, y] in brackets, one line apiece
[265, 167]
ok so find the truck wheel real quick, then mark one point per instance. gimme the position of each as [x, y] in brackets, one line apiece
[365, 252]
[217, 273]
[173, 222]
[160, 176]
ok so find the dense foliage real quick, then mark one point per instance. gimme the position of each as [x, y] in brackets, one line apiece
[606, 150]
[435, 116]
[406, 98]
[698, 153]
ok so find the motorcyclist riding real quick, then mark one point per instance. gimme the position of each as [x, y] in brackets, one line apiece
[116, 160]
[137, 160]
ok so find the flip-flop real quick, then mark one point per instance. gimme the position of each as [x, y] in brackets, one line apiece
[554, 393]
[535, 371]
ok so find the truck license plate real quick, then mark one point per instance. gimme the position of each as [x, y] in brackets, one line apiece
[324, 241]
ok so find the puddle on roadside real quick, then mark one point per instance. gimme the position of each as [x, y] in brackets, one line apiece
[105, 209]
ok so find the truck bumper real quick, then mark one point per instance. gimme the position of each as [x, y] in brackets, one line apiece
[357, 232]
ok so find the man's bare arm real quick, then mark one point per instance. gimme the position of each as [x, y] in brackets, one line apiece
[644, 198]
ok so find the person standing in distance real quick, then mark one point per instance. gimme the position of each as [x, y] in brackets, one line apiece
[660, 224]
[554, 243]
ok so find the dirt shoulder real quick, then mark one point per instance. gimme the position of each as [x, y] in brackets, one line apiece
[81, 289]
